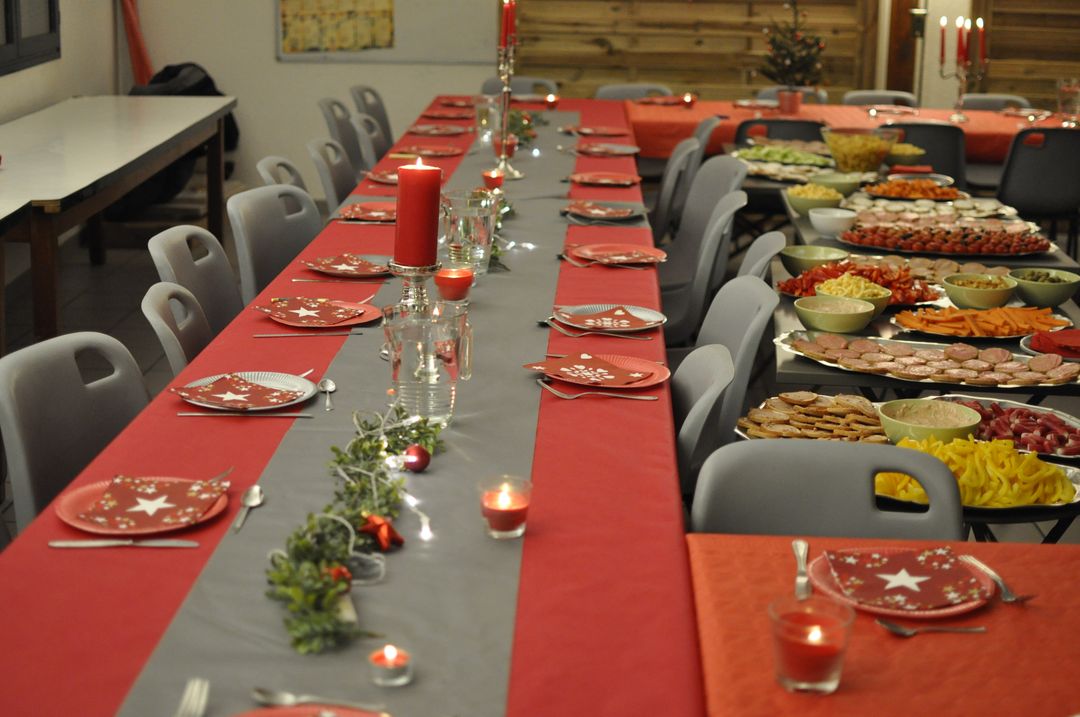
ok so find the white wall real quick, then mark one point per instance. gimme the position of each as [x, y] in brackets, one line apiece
[936, 92]
[87, 63]
[277, 113]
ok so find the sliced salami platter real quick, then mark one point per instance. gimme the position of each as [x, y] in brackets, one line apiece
[1031, 428]
[930, 363]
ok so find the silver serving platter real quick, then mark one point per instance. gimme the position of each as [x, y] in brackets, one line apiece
[784, 342]
[270, 379]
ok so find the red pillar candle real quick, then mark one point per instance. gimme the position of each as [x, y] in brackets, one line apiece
[960, 40]
[941, 54]
[504, 503]
[453, 284]
[417, 236]
[493, 178]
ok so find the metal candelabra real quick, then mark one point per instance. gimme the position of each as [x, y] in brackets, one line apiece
[964, 73]
[506, 74]
[414, 283]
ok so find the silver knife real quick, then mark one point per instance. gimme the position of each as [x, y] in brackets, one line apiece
[802, 580]
[120, 542]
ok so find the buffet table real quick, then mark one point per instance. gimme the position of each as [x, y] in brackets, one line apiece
[658, 128]
[1018, 666]
[590, 614]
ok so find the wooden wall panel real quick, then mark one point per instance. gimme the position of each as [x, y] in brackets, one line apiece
[711, 47]
[1032, 43]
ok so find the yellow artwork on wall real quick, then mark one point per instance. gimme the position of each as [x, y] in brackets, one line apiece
[318, 26]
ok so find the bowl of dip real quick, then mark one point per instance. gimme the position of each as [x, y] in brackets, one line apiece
[834, 314]
[922, 418]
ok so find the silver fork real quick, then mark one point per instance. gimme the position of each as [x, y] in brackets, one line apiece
[1007, 595]
[609, 394]
[576, 335]
[902, 631]
[193, 701]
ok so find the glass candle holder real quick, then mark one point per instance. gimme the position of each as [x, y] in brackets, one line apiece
[493, 178]
[504, 503]
[390, 666]
[511, 145]
[810, 638]
[552, 101]
[453, 283]
[688, 100]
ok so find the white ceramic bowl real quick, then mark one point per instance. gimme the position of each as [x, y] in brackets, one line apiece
[832, 221]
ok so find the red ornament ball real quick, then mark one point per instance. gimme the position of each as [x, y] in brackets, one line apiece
[417, 458]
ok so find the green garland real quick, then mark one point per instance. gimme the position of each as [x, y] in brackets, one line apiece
[524, 124]
[311, 575]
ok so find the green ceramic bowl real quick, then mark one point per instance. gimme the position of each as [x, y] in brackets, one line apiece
[802, 205]
[803, 257]
[969, 298]
[879, 302]
[1045, 293]
[922, 418]
[844, 182]
[835, 315]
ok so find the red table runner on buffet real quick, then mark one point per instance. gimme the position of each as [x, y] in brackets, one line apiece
[658, 129]
[604, 622]
[1021, 665]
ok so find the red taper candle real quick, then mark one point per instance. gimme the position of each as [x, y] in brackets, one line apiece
[417, 237]
[505, 20]
[960, 40]
[967, 41]
[982, 40]
[941, 54]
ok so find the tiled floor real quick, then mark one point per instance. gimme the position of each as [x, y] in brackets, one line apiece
[106, 299]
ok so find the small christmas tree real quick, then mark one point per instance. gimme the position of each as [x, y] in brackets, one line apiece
[794, 58]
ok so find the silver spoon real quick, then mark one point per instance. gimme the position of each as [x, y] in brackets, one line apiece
[327, 386]
[913, 631]
[252, 498]
[279, 698]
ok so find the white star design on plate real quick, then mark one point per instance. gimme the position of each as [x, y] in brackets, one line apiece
[301, 312]
[902, 579]
[230, 396]
[343, 267]
[151, 506]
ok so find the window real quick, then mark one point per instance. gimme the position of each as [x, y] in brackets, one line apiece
[29, 33]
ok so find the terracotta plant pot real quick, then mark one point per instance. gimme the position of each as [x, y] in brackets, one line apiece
[790, 102]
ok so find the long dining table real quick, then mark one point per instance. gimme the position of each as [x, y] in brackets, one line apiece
[659, 128]
[590, 613]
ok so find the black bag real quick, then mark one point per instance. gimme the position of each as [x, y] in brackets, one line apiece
[183, 79]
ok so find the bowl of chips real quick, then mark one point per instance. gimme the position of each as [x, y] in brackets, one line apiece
[853, 286]
[859, 150]
[805, 197]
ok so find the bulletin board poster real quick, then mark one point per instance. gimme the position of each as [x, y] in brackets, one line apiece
[321, 27]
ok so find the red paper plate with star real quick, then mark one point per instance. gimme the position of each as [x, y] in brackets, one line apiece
[619, 253]
[901, 582]
[247, 391]
[607, 149]
[434, 150]
[599, 131]
[350, 265]
[383, 176]
[607, 371]
[605, 179]
[304, 313]
[438, 130]
[369, 212]
[457, 114]
[142, 505]
[458, 102]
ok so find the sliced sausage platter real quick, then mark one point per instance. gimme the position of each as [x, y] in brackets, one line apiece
[933, 363]
[1048, 432]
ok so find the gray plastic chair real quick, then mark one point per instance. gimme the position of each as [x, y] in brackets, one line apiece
[271, 225]
[209, 278]
[273, 169]
[810, 94]
[820, 488]
[880, 97]
[806, 130]
[702, 133]
[179, 322]
[53, 422]
[1043, 180]
[759, 254]
[335, 171]
[373, 144]
[991, 101]
[521, 85]
[697, 387]
[944, 145]
[662, 216]
[737, 318]
[342, 131]
[368, 101]
[631, 91]
[702, 238]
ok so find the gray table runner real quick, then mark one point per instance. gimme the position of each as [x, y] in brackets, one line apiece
[450, 601]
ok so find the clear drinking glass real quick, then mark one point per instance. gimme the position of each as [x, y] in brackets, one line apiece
[425, 348]
[487, 118]
[1068, 92]
[458, 313]
[467, 222]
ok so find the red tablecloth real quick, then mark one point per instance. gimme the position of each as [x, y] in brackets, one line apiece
[1024, 664]
[605, 620]
[658, 129]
